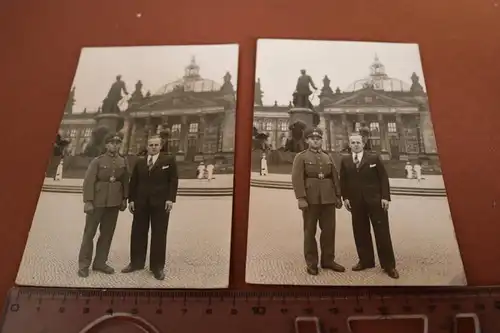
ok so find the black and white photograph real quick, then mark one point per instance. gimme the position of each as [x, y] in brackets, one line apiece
[138, 190]
[346, 183]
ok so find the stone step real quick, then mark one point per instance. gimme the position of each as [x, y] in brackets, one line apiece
[193, 192]
[409, 191]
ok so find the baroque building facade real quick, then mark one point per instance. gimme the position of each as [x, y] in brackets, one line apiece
[200, 114]
[397, 114]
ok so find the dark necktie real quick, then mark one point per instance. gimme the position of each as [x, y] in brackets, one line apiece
[356, 160]
[150, 163]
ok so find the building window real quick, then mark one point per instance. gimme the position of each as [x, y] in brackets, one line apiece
[72, 133]
[176, 130]
[391, 127]
[283, 125]
[357, 126]
[368, 99]
[193, 128]
[88, 132]
[268, 125]
[375, 128]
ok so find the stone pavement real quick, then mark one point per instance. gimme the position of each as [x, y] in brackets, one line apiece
[220, 181]
[422, 232]
[198, 246]
[430, 181]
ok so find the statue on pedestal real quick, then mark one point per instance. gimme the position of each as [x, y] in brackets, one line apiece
[60, 144]
[259, 140]
[110, 103]
[296, 143]
[302, 91]
[96, 145]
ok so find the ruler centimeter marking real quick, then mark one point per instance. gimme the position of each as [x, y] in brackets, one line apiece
[37, 310]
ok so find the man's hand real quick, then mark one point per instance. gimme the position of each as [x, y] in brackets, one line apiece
[385, 204]
[347, 205]
[168, 206]
[302, 203]
[123, 206]
[88, 207]
[338, 203]
[131, 207]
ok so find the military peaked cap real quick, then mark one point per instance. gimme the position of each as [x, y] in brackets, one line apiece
[113, 137]
[313, 132]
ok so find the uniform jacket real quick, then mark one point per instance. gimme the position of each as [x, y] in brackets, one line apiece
[156, 186]
[369, 182]
[98, 184]
[307, 166]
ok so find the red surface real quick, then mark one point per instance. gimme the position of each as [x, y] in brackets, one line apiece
[459, 43]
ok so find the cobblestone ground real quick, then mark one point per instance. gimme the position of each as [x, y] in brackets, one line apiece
[198, 246]
[423, 237]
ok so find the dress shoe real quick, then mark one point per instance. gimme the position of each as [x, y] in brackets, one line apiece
[360, 267]
[393, 273]
[130, 269]
[159, 275]
[334, 267]
[103, 269]
[312, 270]
[83, 272]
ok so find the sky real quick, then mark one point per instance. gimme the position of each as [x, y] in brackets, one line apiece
[279, 63]
[155, 66]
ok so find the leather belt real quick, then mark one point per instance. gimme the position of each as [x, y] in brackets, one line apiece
[319, 176]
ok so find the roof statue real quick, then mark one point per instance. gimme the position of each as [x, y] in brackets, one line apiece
[326, 89]
[227, 86]
[416, 87]
[71, 102]
[258, 93]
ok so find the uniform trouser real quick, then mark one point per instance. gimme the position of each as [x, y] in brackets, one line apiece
[362, 213]
[325, 214]
[144, 217]
[105, 219]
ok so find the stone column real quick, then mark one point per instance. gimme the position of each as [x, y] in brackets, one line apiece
[384, 140]
[201, 133]
[184, 135]
[428, 132]
[401, 133]
[131, 143]
[345, 125]
[77, 141]
[332, 133]
[322, 125]
[147, 128]
[228, 130]
[126, 134]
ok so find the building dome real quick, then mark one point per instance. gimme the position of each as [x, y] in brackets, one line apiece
[378, 80]
[190, 82]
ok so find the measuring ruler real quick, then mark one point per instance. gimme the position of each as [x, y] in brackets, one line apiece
[50, 310]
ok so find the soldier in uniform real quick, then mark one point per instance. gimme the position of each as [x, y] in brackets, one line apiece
[105, 193]
[316, 185]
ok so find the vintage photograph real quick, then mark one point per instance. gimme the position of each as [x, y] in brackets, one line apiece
[138, 191]
[346, 185]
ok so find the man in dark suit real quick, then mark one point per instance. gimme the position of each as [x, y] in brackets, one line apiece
[366, 193]
[153, 190]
